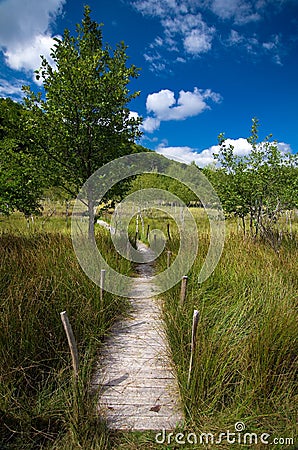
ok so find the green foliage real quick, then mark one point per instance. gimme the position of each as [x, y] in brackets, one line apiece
[84, 122]
[261, 184]
[166, 183]
[21, 174]
[246, 357]
[245, 365]
[40, 277]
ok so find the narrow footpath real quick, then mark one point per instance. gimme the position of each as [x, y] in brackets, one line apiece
[135, 379]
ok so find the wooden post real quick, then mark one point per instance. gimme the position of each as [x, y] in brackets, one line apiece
[195, 322]
[147, 234]
[137, 224]
[183, 289]
[168, 258]
[102, 285]
[168, 230]
[128, 249]
[71, 342]
[142, 223]
[66, 211]
[289, 221]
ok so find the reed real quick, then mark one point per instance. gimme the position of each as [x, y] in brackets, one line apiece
[245, 365]
[40, 277]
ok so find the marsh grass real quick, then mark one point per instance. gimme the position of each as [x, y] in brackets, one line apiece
[246, 359]
[39, 405]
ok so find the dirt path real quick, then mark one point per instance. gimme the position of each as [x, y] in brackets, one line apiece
[137, 386]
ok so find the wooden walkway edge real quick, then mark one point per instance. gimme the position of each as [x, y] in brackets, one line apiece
[135, 378]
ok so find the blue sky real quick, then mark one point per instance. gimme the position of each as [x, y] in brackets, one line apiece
[207, 66]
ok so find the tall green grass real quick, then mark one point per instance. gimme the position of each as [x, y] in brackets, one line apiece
[39, 405]
[246, 358]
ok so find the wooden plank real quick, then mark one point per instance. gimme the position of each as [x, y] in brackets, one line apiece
[135, 379]
[125, 412]
[134, 400]
[141, 424]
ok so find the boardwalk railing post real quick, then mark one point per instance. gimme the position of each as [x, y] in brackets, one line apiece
[137, 226]
[142, 223]
[168, 258]
[195, 322]
[128, 249]
[71, 342]
[183, 289]
[168, 231]
[102, 285]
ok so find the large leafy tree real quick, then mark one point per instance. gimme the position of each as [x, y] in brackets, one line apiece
[83, 121]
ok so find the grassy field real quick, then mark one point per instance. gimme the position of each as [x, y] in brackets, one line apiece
[40, 406]
[246, 360]
[245, 367]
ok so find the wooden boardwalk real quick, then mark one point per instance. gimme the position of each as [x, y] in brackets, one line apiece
[135, 378]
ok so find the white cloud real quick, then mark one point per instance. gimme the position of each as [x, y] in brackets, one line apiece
[241, 146]
[187, 154]
[158, 42]
[268, 45]
[187, 28]
[160, 102]
[11, 89]
[254, 46]
[25, 32]
[196, 42]
[165, 107]
[26, 55]
[195, 34]
[273, 47]
[284, 148]
[235, 38]
[158, 8]
[133, 115]
[181, 154]
[240, 11]
[150, 124]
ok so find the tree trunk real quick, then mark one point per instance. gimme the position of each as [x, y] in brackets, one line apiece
[243, 225]
[91, 215]
[251, 222]
[259, 218]
[66, 212]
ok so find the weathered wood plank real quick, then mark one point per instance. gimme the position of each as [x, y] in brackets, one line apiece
[135, 378]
